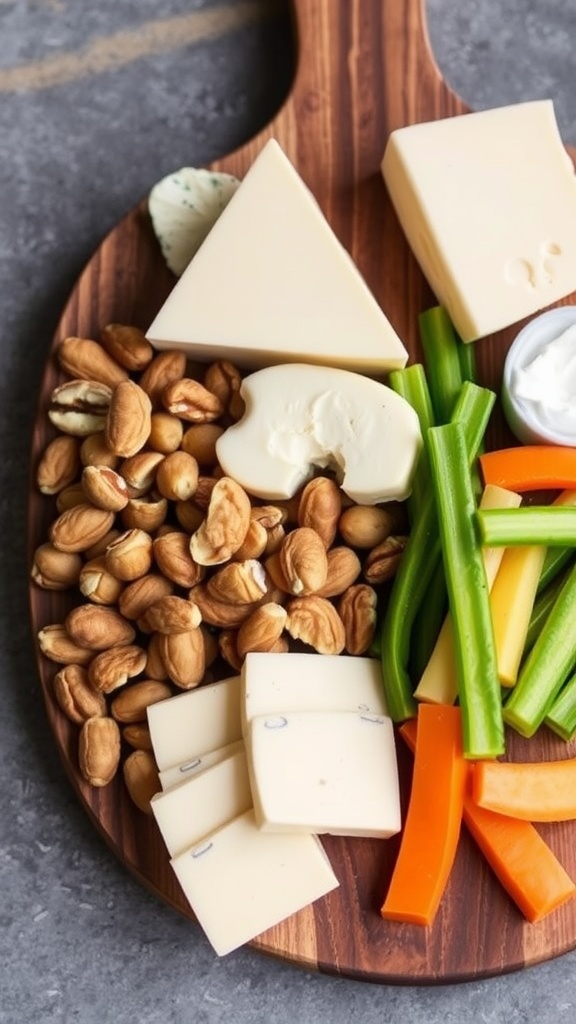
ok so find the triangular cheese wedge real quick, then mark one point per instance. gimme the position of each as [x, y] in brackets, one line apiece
[271, 283]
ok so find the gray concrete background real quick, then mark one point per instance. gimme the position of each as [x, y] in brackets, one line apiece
[86, 126]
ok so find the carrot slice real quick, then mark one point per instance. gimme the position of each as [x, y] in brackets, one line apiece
[530, 467]
[432, 828]
[539, 791]
[522, 861]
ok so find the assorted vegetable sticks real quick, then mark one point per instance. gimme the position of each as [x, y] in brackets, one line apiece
[523, 639]
[522, 861]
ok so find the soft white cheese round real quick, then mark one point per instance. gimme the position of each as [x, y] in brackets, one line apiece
[539, 381]
[300, 418]
[184, 206]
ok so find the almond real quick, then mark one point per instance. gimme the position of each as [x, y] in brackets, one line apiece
[130, 555]
[344, 567]
[239, 582]
[80, 407]
[105, 488]
[55, 570]
[87, 360]
[225, 526]
[131, 703]
[191, 401]
[320, 508]
[302, 559]
[97, 584]
[59, 465]
[173, 558]
[112, 668]
[99, 750]
[98, 627]
[172, 614]
[137, 597]
[56, 645]
[365, 526]
[141, 779]
[77, 698]
[261, 630]
[315, 621]
[177, 476]
[165, 368]
[127, 345]
[77, 528]
[357, 608]
[128, 421]
[183, 657]
[166, 433]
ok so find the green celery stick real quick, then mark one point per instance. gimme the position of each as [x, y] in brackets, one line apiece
[479, 689]
[552, 525]
[547, 666]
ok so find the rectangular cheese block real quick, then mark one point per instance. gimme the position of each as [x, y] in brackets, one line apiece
[310, 682]
[322, 772]
[181, 773]
[271, 283]
[487, 202]
[187, 813]
[240, 881]
[193, 723]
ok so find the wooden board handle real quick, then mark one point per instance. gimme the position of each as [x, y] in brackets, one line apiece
[364, 68]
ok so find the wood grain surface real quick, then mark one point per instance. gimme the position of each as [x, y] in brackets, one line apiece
[364, 68]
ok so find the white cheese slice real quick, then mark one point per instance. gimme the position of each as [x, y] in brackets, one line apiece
[282, 683]
[194, 766]
[318, 771]
[488, 204]
[240, 881]
[300, 417]
[189, 812]
[192, 723]
[272, 283]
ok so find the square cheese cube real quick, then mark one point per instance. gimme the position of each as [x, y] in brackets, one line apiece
[240, 881]
[487, 202]
[318, 772]
[193, 723]
[310, 682]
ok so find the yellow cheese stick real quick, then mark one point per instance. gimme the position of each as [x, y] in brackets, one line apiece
[512, 599]
[438, 683]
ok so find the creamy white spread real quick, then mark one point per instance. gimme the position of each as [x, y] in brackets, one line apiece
[547, 383]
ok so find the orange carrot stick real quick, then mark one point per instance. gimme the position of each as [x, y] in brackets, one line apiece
[522, 861]
[432, 828]
[539, 791]
[530, 467]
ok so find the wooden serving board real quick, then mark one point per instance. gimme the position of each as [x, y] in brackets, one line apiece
[364, 69]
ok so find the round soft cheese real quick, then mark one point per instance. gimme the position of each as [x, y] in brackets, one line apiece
[300, 418]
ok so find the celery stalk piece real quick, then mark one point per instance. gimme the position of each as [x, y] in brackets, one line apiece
[438, 681]
[547, 666]
[411, 384]
[556, 559]
[418, 565]
[553, 525]
[545, 600]
[562, 715]
[441, 358]
[478, 685]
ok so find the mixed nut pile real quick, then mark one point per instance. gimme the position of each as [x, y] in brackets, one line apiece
[179, 572]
